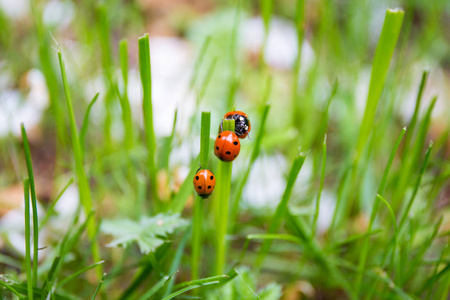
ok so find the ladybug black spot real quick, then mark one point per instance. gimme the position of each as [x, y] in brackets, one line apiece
[197, 178]
[217, 147]
[235, 155]
[220, 136]
[209, 187]
[212, 177]
[199, 187]
[235, 143]
[228, 152]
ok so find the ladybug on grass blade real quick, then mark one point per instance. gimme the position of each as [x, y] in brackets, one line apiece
[242, 123]
[204, 183]
[227, 146]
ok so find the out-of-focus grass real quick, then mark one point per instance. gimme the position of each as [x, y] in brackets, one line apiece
[127, 167]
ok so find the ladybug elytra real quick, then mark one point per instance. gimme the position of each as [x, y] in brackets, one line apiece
[227, 146]
[204, 183]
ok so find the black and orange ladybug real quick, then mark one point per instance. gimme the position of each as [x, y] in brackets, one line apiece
[204, 183]
[227, 146]
[242, 123]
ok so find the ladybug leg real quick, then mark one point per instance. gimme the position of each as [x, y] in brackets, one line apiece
[248, 136]
[200, 167]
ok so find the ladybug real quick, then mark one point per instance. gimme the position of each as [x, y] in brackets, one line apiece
[204, 183]
[227, 146]
[242, 123]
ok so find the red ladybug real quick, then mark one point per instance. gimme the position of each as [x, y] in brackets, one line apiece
[227, 146]
[204, 183]
[242, 123]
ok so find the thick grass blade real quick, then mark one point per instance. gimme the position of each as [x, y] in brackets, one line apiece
[85, 124]
[83, 184]
[282, 206]
[223, 186]
[322, 180]
[26, 192]
[255, 153]
[146, 79]
[155, 288]
[365, 247]
[274, 236]
[102, 27]
[197, 220]
[124, 101]
[26, 148]
[383, 54]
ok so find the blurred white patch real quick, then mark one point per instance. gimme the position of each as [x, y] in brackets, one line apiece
[281, 49]
[58, 13]
[15, 9]
[12, 228]
[68, 203]
[362, 90]
[326, 210]
[266, 182]
[15, 110]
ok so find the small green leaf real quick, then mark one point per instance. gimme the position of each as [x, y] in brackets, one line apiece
[149, 232]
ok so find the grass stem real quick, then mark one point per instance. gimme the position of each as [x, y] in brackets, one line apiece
[223, 186]
[26, 148]
[26, 193]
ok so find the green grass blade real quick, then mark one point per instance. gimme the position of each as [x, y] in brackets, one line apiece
[322, 180]
[223, 186]
[365, 247]
[146, 79]
[199, 60]
[98, 287]
[14, 291]
[299, 228]
[83, 184]
[274, 236]
[177, 293]
[50, 210]
[266, 11]
[78, 273]
[26, 192]
[176, 261]
[405, 213]
[85, 124]
[415, 263]
[282, 206]
[432, 280]
[155, 288]
[412, 123]
[255, 153]
[201, 281]
[198, 205]
[124, 101]
[383, 54]
[50, 278]
[26, 148]
[207, 80]
[181, 197]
